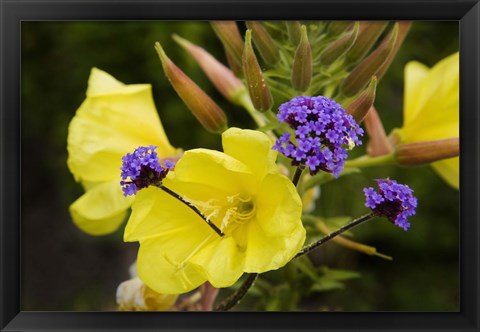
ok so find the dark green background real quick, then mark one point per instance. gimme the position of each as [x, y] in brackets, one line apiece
[65, 269]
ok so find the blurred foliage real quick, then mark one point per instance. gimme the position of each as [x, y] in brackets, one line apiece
[64, 269]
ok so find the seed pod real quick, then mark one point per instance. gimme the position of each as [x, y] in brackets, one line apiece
[302, 64]
[336, 49]
[368, 34]
[362, 104]
[264, 43]
[294, 30]
[362, 73]
[337, 27]
[222, 77]
[421, 153]
[258, 89]
[229, 35]
[207, 112]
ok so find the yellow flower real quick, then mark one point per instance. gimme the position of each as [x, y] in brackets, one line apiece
[243, 192]
[114, 119]
[134, 295]
[431, 109]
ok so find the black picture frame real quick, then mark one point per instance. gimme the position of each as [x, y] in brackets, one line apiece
[13, 12]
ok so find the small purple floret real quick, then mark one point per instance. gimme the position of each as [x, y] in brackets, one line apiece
[322, 130]
[141, 169]
[393, 200]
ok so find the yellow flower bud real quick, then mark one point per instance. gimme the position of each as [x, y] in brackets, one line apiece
[362, 73]
[360, 105]
[207, 112]
[229, 35]
[368, 34]
[222, 77]
[421, 153]
[336, 49]
[302, 64]
[258, 89]
[264, 43]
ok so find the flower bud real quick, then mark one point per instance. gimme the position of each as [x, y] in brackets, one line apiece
[421, 153]
[403, 29]
[134, 295]
[264, 43]
[294, 30]
[362, 73]
[234, 65]
[207, 112]
[362, 104]
[302, 64]
[222, 77]
[368, 34]
[258, 89]
[336, 49]
[229, 35]
[378, 144]
[337, 27]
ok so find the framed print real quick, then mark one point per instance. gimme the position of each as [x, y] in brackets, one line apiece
[270, 165]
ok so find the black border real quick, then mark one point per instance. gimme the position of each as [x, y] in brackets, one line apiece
[12, 12]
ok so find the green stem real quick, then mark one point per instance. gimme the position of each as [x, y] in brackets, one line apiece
[367, 161]
[238, 295]
[246, 103]
[192, 207]
[330, 236]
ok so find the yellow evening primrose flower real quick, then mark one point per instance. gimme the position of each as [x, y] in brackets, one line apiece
[431, 109]
[114, 119]
[243, 192]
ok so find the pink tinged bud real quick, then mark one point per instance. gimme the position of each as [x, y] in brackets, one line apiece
[294, 30]
[337, 27]
[264, 43]
[368, 34]
[229, 35]
[362, 104]
[234, 66]
[200, 104]
[222, 77]
[258, 89]
[362, 73]
[403, 29]
[378, 144]
[302, 64]
[336, 49]
[422, 153]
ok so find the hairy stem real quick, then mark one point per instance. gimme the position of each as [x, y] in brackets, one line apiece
[235, 298]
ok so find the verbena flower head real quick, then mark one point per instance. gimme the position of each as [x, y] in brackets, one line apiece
[241, 191]
[141, 169]
[323, 133]
[393, 200]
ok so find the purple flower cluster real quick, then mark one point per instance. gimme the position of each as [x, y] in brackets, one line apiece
[393, 200]
[143, 169]
[322, 131]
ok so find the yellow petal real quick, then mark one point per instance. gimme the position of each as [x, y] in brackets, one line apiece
[251, 147]
[449, 170]
[415, 73]
[160, 267]
[101, 210]
[215, 169]
[265, 253]
[278, 206]
[110, 124]
[101, 82]
[222, 262]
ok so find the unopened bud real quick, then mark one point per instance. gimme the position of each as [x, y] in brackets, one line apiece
[302, 64]
[258, 89]
[229, 35]
[207, 112]
[336, 49]
[368, 34]
[234, 65]
[264, 43]
[362, 73]
[403, 29]
[222, 77]
[421, 153]
[337, 27]
[378, 143]
[294, 30]
[362, 104]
